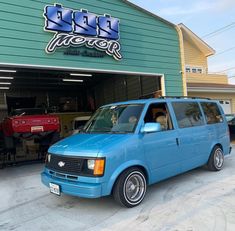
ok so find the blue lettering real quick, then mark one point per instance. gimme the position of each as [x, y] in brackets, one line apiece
[85, 23]
[108, 27]
[58, 18]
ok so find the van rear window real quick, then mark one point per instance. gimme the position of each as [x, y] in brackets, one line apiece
[188, 114]
[212, 113]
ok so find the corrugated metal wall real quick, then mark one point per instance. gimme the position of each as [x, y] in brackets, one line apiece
[125, 88]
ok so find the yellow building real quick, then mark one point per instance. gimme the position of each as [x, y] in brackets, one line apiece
[197, 81]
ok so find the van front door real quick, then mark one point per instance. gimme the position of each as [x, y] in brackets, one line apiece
[161, 148]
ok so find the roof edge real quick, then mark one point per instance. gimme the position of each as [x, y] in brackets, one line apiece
[196, 37]
[149, 13]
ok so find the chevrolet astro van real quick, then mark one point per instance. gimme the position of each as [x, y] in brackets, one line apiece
[126, 146]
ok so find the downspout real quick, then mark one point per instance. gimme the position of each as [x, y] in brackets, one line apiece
[182, 56]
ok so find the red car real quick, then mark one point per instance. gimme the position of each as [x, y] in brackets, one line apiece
[29, 123]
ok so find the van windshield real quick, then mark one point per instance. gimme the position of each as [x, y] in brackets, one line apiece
[115, 119]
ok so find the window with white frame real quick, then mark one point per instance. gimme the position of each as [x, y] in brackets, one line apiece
[187, 69]
[190, 69]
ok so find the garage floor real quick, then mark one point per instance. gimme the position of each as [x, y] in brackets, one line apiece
[197, 200]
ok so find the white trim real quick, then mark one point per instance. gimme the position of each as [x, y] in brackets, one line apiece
[79, 69]
[163, 85]
[199, 89]
[208, 50]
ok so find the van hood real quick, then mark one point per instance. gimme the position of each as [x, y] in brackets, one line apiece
[86, 144]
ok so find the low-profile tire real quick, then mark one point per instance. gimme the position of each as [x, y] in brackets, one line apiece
[216, 160]
[130, 188]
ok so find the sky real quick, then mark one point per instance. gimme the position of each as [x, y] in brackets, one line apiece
[211, 20]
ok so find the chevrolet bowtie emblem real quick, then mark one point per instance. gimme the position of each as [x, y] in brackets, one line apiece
[61, 164]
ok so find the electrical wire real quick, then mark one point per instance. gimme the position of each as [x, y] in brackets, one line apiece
[231, 68]
[223, 51]
[220, 30]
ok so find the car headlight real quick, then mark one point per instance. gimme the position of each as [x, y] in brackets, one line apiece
[48, 158]
[91, 164]
[97, 166]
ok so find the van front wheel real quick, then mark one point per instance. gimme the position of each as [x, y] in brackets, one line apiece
[130, 188]
[216, 160]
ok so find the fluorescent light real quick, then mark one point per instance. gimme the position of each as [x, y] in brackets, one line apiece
[5, 83]
[75, 74]
[8, 71]
[73, 80]
[4, 88]
[5, 77]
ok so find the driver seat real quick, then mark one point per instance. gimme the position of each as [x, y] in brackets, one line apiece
[163, 121]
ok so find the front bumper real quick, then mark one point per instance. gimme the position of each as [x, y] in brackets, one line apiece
[74, 188]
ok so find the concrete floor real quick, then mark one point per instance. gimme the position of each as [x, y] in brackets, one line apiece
[195, 201]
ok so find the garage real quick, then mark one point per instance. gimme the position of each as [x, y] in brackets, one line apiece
[68, 96]
[70, 58]
[226, 105]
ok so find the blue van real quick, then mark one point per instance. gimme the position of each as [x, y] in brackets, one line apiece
[126, 146]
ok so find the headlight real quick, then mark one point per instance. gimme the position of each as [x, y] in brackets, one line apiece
[91, 164]
[48, 158]
[97, 166]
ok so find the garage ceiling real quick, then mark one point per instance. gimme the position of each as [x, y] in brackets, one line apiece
[38, 79]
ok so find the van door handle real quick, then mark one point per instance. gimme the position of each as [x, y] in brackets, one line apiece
[177, 141]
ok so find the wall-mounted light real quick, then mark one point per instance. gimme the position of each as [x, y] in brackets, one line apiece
[73, 80]
[4, 88]
[8, 71]
[86, 75]
[5, 83]
[5, 77]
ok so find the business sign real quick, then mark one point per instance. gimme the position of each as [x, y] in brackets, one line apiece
[74, 28]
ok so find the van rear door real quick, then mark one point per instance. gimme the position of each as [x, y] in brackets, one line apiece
[216, 125]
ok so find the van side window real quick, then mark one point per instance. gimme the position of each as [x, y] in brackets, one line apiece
[158, 113]
[188, 114]
[212, 113]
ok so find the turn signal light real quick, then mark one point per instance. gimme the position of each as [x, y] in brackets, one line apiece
[99, 167]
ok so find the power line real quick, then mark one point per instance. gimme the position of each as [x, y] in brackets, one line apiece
[231, 68]
[223, 51]
[220, 30]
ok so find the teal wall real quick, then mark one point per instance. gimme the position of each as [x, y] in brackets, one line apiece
[149, 45]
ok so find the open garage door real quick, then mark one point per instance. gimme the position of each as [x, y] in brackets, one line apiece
[226, 105]
[66, 96]
[63, 92]
[121, 88]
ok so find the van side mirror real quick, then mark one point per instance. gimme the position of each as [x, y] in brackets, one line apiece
[151, 127]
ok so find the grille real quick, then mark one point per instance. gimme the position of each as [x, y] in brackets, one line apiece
[65, 164]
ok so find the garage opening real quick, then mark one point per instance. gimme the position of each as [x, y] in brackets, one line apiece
[72, 97]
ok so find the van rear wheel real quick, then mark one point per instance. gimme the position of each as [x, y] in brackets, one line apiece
[216, 160]
[130, 188]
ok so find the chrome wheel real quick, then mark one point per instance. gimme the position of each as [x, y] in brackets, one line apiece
[134, 188]
[218, 158]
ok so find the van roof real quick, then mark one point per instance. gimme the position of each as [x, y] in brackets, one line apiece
[163, 99]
